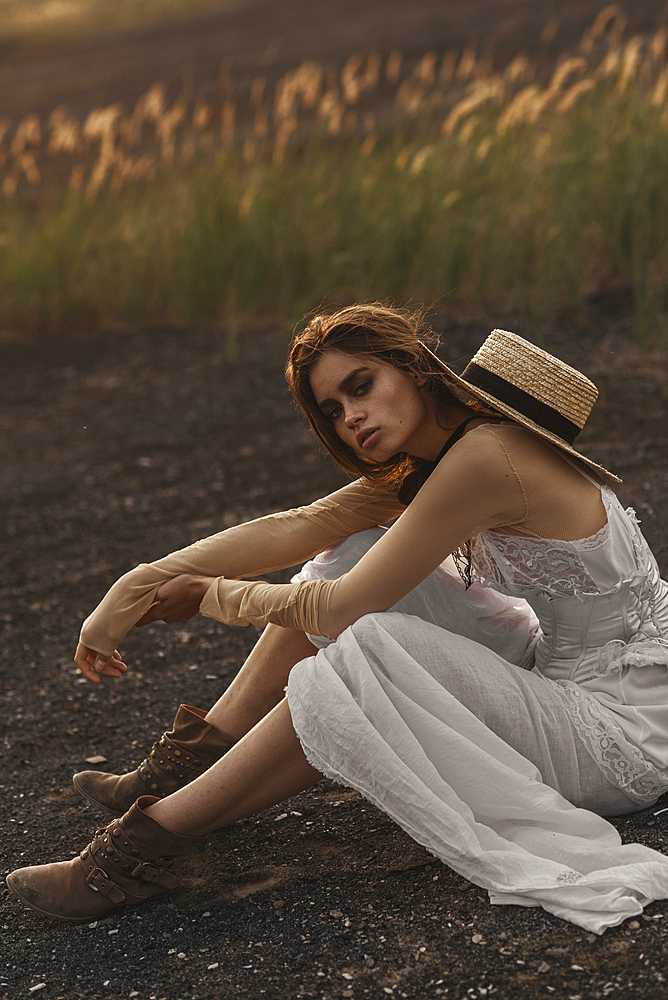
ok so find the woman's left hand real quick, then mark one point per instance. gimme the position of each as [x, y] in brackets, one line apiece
[177, 600]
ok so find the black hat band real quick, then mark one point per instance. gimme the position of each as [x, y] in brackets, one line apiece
[533, 409]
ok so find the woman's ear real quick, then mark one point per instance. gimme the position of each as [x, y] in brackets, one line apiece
[420, 380]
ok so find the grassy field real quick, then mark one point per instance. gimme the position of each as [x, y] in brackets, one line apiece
[444, 181]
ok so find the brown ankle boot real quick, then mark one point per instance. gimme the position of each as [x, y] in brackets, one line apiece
[191, 747]
[131, 860]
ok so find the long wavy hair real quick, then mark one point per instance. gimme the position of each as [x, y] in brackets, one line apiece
[395, 336]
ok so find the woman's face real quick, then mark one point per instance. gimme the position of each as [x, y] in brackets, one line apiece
[374, 408]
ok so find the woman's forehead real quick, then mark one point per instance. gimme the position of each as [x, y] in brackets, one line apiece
[333, 370]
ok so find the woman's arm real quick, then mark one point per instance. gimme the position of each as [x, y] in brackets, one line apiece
[249, 549]
[474, 487]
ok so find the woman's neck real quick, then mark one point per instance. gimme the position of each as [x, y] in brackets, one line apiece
[442, 419]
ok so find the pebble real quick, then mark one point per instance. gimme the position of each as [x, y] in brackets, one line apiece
[214, 965]
[346, 975]
[113, 931]
[38, 986]
[181, 954]
[278, 903]
[335, 913]
[556, 952]
[282, 816]
[633, 925]
[477, 939]
[543, 967]
[97, 759]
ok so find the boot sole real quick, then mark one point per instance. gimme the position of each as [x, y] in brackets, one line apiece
[46, 913]
[100, 805]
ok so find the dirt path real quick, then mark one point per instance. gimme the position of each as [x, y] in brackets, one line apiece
[121, 447]
[266, 38]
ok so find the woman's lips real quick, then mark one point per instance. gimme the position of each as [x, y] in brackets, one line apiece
[368, 439]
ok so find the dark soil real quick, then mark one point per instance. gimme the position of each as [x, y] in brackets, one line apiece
[127, 444]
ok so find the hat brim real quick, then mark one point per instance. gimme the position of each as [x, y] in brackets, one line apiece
[519, 418]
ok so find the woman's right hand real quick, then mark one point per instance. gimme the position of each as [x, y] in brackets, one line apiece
[91, 663]
[177, 599]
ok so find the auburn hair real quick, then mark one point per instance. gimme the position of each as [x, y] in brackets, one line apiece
[392, 335]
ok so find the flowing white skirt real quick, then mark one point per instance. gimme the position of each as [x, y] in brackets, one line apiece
[477, 759]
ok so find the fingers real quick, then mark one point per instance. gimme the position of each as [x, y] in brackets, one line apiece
[91, 664]
[152, 615]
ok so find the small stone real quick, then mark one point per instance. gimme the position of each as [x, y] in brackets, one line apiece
[281, 816]
[106, 982]
[97, 759]
[134, 993]
[577, 968]
[214, 965]
[477, 939]
[172, 951]
[38, 986]
[93, 925]
[113, 931]
[369, 961]
[278, 903]
[633, 925]
[206, 913]
[348, 993]
[543, 968]
[556, 952]
[346, 975]
[335, 913]
[181, 954]
[591, 938]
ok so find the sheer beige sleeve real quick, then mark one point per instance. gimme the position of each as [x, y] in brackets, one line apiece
[475, 486]
[249, 549]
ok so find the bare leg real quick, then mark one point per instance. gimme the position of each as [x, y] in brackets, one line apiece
[260, 684]
[265, 767]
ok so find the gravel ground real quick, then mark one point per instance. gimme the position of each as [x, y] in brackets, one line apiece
[129, 443]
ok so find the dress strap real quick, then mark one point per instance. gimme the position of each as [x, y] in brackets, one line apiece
[416, 479]
[574, 465]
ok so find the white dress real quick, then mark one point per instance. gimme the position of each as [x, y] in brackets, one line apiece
[498, 727]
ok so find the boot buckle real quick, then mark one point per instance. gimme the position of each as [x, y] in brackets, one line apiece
[145, 871]
[99, 881]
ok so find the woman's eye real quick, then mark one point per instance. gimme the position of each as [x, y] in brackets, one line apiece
[362, 388]
[334, 414]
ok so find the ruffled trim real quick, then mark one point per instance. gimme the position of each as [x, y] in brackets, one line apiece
[620, 761]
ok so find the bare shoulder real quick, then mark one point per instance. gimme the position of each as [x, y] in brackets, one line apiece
[481, 456]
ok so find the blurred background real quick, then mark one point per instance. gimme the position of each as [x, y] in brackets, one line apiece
[221, 160]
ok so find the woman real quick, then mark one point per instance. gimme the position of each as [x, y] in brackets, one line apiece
[503, 772]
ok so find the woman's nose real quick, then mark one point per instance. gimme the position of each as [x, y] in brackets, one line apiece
[353, 416]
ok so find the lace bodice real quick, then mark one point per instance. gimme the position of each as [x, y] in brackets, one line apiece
[514, 564]
[603, 613]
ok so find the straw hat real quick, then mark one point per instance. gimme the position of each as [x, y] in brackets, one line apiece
[532, 388]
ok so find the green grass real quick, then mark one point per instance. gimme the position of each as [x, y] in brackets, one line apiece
[551, 213]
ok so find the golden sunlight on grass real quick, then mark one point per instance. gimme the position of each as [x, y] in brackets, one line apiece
[440, 177]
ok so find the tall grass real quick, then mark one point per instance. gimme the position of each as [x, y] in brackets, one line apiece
[517, 199]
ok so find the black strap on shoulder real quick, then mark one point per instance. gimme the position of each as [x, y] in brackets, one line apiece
[415, 480]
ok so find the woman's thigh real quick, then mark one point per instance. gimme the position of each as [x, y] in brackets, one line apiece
[397, 663]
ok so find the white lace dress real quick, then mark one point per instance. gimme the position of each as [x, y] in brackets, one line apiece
[498, 727]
